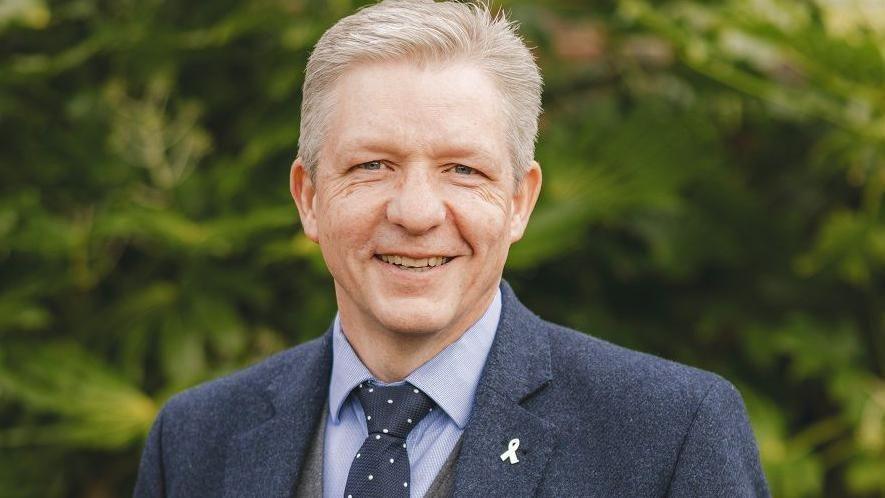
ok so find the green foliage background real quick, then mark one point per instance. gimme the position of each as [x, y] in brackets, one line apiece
[714, 177]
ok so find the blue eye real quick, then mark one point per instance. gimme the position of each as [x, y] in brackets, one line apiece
[463, 170]
[371, 165]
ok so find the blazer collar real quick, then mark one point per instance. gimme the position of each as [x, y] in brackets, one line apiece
[517, 367]
[266, 459]
[519, 360]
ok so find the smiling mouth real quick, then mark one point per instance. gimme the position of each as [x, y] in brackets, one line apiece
[411, 264]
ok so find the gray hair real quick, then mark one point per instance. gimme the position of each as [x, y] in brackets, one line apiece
[425, 32]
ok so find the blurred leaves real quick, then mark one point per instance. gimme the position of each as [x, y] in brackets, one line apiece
[91, 405]
[31, 13]
[713, 183]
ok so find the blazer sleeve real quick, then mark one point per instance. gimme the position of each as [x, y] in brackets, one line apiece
[151, 481]
[719, 456]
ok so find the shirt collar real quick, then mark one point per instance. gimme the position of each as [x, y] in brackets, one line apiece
[449, 378]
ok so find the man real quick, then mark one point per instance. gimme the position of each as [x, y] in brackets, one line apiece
[414, 176]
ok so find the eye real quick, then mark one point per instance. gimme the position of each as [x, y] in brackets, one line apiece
[463, 170]
[370, 165]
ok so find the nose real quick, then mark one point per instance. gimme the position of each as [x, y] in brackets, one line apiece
[416, 204]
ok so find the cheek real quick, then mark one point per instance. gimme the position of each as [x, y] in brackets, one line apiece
[482, 217]
[348, 222]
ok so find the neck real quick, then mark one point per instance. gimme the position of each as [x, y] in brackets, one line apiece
[391, 356]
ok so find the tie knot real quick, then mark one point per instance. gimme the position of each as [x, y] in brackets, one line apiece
[393, 410]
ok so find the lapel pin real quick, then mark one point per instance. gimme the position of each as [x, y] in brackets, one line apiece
[511, 451]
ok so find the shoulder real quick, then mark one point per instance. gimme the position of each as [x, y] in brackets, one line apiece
[187, 448]
[653, 423]
[241, 397]
[580, 359]
[635, 401]
[585, 368]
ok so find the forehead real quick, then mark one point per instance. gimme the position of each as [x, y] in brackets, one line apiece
[416, 110]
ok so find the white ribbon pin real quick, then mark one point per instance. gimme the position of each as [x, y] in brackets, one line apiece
[511, 451]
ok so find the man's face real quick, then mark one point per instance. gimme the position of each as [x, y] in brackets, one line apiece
[414, 205]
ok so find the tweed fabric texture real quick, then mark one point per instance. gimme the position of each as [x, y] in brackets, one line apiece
[381, 466]
[594, 419]
[310, 482]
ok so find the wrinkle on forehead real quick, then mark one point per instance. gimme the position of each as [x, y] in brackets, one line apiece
[415, 110]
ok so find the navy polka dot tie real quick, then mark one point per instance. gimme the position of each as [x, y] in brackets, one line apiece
[381, 466]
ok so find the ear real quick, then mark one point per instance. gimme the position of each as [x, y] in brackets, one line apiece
[304, 194]
[524, 198]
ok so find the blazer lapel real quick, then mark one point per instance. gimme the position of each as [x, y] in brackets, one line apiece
[266, 459]
[518, 366]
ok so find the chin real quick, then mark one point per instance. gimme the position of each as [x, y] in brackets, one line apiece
[416, 321]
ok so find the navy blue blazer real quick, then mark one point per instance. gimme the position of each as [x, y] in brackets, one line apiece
[593, 419]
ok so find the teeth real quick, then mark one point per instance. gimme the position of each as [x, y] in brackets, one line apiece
[414, 263]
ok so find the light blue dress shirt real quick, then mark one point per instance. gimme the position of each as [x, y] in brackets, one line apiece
[449, 378]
